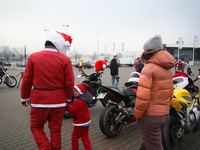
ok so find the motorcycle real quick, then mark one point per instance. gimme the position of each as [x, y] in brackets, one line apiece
[10, 81]
[94, 81]
[120, 109]
[184, 115]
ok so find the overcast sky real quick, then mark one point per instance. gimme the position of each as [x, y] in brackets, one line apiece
[22, 22]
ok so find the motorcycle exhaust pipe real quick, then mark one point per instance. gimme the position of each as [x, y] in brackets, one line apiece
[124, 112]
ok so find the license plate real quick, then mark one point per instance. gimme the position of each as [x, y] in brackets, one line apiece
[101, 95]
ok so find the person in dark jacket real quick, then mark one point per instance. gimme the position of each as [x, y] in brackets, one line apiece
[140, 65]
[114, 71]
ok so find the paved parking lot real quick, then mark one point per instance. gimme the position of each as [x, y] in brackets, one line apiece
[14, 122]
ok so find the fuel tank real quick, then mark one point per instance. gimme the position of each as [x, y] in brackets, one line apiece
[183, 96]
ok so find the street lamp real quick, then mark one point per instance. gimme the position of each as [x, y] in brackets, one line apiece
[46, 32]
[97, 45]
[65, 28]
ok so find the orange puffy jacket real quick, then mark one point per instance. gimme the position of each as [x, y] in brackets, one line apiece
[155, 86]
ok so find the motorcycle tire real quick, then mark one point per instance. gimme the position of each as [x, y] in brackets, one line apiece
[104, 101]
[197, 126]
[169, 139]
[12, 83]
[106, 121]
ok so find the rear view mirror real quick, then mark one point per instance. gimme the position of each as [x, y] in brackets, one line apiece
[78, 76]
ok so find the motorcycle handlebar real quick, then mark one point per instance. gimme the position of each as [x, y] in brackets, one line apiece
[84, 74]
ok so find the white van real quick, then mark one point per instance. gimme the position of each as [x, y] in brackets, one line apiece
[129, 62]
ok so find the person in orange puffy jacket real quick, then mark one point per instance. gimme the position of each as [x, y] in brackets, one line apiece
[50, 73]
[155, 90]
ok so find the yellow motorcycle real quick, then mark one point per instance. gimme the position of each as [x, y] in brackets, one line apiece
[184, 115]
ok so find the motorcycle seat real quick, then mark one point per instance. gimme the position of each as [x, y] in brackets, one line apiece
[116, 89]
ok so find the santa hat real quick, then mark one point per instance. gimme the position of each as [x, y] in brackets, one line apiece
[100, 65]
[82, 88]
[180, 80]
[61, 41]
[134, 77]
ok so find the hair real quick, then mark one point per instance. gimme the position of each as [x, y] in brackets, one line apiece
[142, 59]
[49, 43]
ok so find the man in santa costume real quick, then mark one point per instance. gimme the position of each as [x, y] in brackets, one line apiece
[50, 74]
[81, 115]
[179, 66]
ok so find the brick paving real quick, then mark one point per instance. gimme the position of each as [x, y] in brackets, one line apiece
[15, 131]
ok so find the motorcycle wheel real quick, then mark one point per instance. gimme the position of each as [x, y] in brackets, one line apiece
[107, 123]
[104, 101]
[169, 139]
[12, 83]
[197, 126]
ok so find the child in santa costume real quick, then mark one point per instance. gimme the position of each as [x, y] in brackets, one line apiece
[50, 73]
[81, 115]
[100, 65]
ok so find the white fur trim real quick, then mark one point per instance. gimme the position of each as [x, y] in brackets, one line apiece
[133, 80]
[58, 41]
[26, 99]
[104, 66]
[67, 44]
[48, 105]
[50, 49]
[181, 84]
[82, 124]
[77, 88]
[69, 100]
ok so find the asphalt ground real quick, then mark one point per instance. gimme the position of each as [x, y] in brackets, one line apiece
[15, 131]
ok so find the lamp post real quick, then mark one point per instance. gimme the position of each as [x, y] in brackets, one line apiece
[97, 45]
[46, 32]
[65, 28]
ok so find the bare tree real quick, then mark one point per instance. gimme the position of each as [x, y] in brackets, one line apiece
[7, 54]
[76, 55]
[107, 57]
[94, 56]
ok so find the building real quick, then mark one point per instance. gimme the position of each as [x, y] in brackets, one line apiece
[186, 53]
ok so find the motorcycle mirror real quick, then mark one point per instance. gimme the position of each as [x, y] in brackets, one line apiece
[78, 76]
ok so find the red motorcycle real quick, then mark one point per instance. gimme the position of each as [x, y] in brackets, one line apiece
[120, 109]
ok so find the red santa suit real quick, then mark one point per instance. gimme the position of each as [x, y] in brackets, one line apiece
[100, 65]
[81, 116]
[50, 74]
[136, 65]
[179, 66]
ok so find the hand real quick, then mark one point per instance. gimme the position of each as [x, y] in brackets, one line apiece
[25, 104]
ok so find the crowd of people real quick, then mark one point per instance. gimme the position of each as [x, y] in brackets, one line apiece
[52, 93]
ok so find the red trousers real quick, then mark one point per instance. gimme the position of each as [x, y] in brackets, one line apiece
[38, 117]
[81, 132]
[80, 68]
